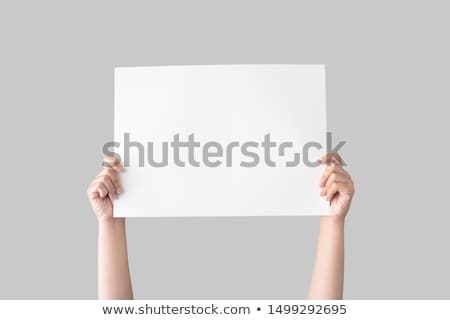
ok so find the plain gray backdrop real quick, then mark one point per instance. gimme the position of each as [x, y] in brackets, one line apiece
[388, 96]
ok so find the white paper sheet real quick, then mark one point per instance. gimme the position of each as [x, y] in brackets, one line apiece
[220, 103]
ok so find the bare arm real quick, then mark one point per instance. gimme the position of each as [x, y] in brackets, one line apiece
[113, 273]
[327, 282]
[328, 275]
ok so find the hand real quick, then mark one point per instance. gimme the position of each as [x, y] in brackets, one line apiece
[104, 189]
[336, 186]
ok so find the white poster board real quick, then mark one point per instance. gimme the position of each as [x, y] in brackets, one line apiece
[220, 105]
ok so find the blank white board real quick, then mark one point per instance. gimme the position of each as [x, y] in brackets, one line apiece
[220, 105]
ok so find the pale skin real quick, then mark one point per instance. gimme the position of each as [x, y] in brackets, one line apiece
[327, 281]
[336, 185]
[113, 272]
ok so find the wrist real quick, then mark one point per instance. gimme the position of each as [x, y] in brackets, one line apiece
[111, 222]
[334, 220]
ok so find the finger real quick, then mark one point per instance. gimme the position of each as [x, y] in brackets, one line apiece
[106, 180]
[102, 190]
[333, 168]
[343, 188]
[112, 174]
[331, 191]
[92, 189]
[331, 158]
[336, 177]
[324, 191]
[114, 163]
[326, 173]
[332, 179]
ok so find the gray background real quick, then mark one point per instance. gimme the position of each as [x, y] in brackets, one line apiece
[387, 83]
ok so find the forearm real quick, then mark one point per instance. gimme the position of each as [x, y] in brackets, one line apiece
[113, 273]
[328, 274]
